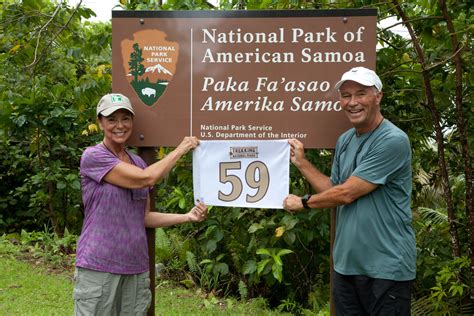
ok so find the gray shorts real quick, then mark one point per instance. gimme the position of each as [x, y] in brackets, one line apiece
[102, 293]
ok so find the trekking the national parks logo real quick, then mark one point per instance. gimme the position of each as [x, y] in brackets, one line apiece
[150, 63]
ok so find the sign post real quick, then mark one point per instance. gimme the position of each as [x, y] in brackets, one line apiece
[149, 156]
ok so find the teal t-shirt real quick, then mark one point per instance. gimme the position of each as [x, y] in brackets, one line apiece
[374, 234]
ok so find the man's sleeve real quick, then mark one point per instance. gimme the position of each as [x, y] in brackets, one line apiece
[335, 164]
[382, 162]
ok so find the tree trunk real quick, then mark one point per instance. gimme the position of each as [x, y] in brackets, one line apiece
[431, 104]
[461, 118]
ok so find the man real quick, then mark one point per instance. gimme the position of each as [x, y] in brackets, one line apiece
[374, 251]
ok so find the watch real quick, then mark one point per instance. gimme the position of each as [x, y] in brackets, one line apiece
[304, 201]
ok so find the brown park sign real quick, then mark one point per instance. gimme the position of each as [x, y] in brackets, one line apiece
[238, 74]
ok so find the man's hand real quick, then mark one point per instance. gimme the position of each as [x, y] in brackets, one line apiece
[296, 152]
[292, 203]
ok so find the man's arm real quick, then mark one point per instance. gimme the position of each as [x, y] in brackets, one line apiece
[328, 195]
[342, 194]
[318, 181]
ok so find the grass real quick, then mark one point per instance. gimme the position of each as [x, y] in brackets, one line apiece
[36, 278]
[171, 300]
[32, 288]
[26, 289]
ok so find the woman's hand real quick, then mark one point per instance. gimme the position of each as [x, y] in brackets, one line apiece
[188, 143]
[198, 213]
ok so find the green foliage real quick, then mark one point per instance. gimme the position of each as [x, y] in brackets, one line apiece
[174, 252]
[450, 288]
[44, 246]
[191, 261]
[163, 250]
[52, 75]
[434, 250]
[271, 261]
[243, 291]
[210, 275]
[168, 5]
[228, 243]
[318, 297]
[288, 305]
[214, 276]
[50, 81]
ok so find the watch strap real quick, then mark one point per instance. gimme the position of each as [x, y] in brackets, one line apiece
[304, 201]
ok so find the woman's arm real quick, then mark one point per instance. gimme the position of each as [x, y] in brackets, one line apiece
[155, 219]
[128, 176]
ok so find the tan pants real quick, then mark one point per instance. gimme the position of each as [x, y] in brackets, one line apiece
[102, 293]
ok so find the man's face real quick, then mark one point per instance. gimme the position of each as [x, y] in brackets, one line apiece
[361, 105]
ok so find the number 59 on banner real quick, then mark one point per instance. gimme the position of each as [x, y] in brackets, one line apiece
[246, 173]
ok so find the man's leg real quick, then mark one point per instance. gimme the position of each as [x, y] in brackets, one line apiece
[345, 295]
[361, 295]
[391, 298]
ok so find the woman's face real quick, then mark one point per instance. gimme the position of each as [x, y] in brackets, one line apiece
[117, 126]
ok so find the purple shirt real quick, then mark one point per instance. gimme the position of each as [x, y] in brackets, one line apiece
[113, 237]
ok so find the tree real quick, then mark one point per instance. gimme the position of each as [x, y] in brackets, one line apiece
[135, 63]
[442, 61]
[53, 70]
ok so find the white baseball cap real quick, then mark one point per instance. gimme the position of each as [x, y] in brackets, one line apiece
[362, 75]
[112, 102]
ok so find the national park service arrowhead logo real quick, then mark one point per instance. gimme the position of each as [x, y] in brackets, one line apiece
[150, 63]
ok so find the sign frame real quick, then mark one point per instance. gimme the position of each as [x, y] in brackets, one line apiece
[180, 113]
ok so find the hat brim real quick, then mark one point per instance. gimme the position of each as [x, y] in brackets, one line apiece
[112, 109]
[358, 80]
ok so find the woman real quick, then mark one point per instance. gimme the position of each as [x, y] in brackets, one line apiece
[112, 256]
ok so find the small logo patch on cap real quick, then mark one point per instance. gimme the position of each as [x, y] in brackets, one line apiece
[116, 98]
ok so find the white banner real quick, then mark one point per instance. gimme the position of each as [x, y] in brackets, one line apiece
[242, 173]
